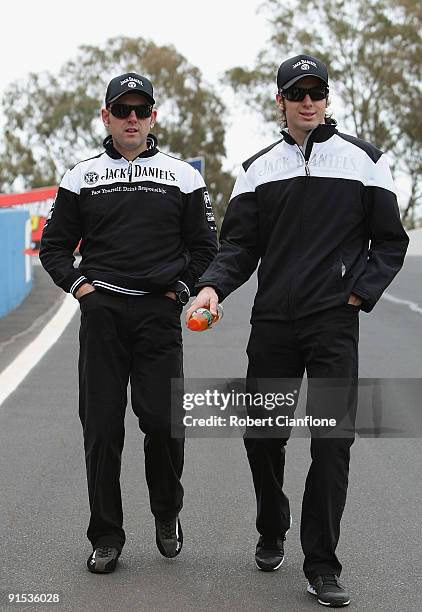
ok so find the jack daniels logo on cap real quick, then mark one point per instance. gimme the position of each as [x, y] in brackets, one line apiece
[129, 82]
[295, 68]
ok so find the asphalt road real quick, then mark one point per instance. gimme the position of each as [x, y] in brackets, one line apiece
[44, 507]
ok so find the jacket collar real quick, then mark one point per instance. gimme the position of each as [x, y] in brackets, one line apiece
[321, 133]
[152, 143]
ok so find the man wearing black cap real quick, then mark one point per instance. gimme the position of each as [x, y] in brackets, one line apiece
[317, 211]
[146, 232]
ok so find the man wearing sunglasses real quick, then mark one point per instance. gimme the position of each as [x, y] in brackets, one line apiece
[146, 231]
[317, 211]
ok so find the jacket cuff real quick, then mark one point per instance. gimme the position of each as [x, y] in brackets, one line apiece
[76, 284]
[218, 291]
[367, 303]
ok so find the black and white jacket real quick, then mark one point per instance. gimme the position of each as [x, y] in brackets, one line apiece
[145, 225]
[323, 221]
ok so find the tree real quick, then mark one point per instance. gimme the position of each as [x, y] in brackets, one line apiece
[54, 119]
[373, 49]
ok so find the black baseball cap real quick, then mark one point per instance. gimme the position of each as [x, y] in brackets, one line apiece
[129, 83]
[298, 67]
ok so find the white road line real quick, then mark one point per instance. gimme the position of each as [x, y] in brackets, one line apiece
[395, 300]
[27, 359]
[36, 323]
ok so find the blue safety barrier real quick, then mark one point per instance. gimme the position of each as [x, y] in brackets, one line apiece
[15, 265]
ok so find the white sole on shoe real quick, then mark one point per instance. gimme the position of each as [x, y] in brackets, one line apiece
[273, 569]
[312, 591]
[282, 561]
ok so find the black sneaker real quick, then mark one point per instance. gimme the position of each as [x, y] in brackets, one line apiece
[169, 537]
[329, 591]
[269, 554]
[103, 560]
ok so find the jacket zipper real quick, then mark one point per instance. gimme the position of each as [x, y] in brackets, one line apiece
[308, 174]
[130, 172]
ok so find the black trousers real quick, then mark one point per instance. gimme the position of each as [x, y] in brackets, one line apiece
[326, 345]
[122, 339]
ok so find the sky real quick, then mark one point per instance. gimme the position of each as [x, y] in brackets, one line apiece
[214, 36]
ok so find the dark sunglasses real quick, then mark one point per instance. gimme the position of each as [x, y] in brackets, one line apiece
[121, 111]
[297, 94]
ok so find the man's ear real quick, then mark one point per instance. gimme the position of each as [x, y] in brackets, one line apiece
[105, 116]
[153, 119]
